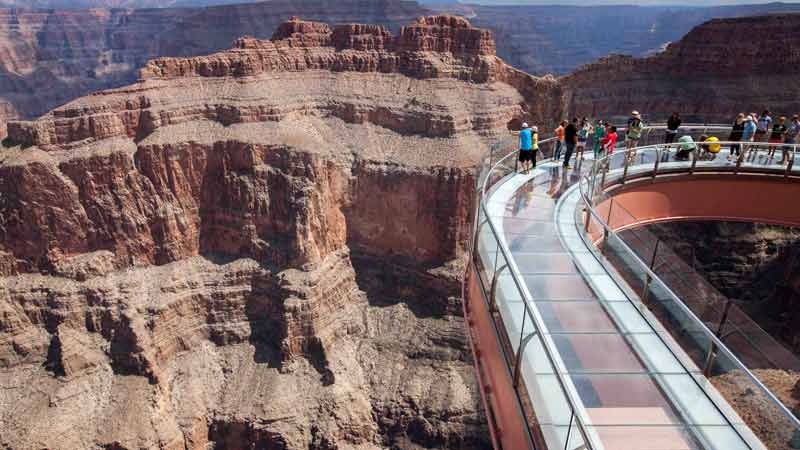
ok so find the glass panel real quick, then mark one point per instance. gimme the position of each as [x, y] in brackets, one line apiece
[684, 328]
[539, 244]
[549, 401]
[546, 263]
[596, 353]
[528, 227]
[654, 352]
[558, 287]
[575, 317]
[627, 317]
[627, 264]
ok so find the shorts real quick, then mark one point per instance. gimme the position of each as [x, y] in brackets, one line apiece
[525, 155]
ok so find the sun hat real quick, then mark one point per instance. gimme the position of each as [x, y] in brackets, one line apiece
[524, 124]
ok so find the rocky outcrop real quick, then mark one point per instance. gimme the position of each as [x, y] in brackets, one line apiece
[49, 57]
[713, 73]
[257, 248]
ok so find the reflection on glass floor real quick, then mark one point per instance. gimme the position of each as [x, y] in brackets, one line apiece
[634, 392]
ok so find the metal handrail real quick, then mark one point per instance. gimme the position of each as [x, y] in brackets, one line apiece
[516, 276]
[588, 203]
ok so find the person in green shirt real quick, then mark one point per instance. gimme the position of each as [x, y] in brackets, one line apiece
[599, 134]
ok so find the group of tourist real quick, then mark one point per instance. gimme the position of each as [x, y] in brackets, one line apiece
[572, 137]
[762, 128]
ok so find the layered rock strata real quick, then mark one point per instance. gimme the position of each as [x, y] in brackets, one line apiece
[49, 57]
[258, 248]
[717, 70]
[559, 39]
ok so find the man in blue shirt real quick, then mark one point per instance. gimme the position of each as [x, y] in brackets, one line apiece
[525, 147]
[748, 134]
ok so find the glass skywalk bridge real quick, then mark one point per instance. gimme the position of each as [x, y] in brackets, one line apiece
[595, 352]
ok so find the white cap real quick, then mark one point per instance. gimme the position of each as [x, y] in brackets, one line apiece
[535, 129]
[748, 118]
[635, 113]
[525, 125]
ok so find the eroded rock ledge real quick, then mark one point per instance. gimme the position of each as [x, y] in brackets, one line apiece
[433, 48]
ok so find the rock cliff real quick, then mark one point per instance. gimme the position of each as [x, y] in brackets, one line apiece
[719, 69]
[49, 57]
[257, 248]
[558, 39]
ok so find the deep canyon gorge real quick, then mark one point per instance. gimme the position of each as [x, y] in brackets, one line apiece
[263, 247]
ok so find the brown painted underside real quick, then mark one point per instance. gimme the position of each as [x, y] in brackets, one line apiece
[505, 414]
[742, 198]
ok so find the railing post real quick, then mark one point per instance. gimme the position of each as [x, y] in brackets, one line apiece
[605, 170]
[523, 342]
[625, 167]
[790, 163]
[739, 159]
[724, 318]
[477, 235]
[712, 355]
[588, 217]
[493, 289]
[658, 160]
[694, 159]
[569, 429]
[649, 279]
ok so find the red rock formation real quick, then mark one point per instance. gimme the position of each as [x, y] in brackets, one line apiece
[719, 69]
[255, 248]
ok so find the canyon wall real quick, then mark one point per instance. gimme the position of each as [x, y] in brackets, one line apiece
[49, 57]
[719, 69]
[755, 265]
[559, 39]
[258, 248]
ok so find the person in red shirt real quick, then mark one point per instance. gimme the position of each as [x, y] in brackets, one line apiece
[610, 141]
